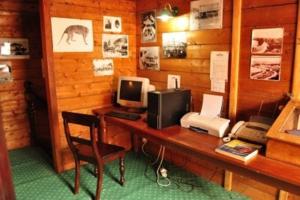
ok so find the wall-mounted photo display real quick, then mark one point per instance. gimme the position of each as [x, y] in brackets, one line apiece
[206, 14]
[14, 48]
[103, 67]
[5, 72]
[112, 24]
[267, 41]
[115, 46]
[265, 68]
[149, 58]
[148, 25]
[174, 45]
[72, 35]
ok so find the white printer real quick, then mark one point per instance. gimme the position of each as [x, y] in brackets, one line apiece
[208, 119]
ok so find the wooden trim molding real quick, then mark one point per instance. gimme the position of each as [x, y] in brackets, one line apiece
[235, 58]
[49, 76]
[296, 78]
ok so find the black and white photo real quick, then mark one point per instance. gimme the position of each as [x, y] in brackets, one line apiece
[5, 72]
[267, 41]
[72, 35]
[265, 68]
[206, 14]
[149, 58]
[115, 46]
[103, 67]
[14, 48]
[174, 45]
[148, 24]
[112, 24]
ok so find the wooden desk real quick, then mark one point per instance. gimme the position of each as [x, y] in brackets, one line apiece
[275, 173]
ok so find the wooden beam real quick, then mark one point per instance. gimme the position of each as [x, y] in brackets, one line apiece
[296, 78]
[48, 73]
[235, 58]
[283, 195]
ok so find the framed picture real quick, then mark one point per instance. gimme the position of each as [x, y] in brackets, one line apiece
[265, 68]
[206, 14]
[114, 46]
[112, 24]
[72, 35]
[174, 45]
[149, 58]
[267, 41]
[14, 48]
[148, 25]
[5, 72]
[103, 67]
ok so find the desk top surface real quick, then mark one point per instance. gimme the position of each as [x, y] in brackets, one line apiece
[273, 172]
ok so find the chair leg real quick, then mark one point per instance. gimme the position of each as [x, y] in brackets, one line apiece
[122, 170]
[77, 176]
[99, 182]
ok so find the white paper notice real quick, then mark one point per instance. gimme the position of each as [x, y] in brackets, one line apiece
[219, 65]
[103, 67]
[211, 105]
[218, 85]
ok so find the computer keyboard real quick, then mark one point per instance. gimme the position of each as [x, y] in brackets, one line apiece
[129, 116]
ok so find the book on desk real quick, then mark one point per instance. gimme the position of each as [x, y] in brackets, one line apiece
[240, 150]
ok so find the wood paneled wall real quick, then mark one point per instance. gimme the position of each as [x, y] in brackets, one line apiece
[77, 89]
[195, 68]
[266, 14]
[20, 19]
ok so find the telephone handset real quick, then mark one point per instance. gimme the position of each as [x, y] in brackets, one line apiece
[252, 131]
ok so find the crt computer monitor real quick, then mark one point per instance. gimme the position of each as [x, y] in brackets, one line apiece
[132, 91]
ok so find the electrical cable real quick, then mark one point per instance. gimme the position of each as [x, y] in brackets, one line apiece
[158, 180]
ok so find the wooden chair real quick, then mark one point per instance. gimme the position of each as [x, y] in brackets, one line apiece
[91, 150]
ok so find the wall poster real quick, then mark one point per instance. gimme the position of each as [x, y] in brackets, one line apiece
[265, 68]
[72, 35]
[103, 67]
[174, 45]
[14, 48]
[5, 72]
[114, 46]
[112, 24]
[149, 58]
[148, 25]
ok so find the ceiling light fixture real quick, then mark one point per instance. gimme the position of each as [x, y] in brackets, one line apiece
[167, 12]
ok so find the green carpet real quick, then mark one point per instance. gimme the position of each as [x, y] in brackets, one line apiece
[34, 179]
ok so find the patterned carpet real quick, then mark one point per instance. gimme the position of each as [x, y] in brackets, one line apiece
[34, 179]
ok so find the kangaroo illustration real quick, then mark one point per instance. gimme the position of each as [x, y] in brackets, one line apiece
[71, 30]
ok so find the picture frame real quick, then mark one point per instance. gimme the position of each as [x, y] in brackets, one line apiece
[103, 67]
[14, 48]
[148, 27]
[149, 58]
[112, 24]
[5, 72]
[206, 14]
[72, 35]
[265, 68]
[174, 45]
[267, 41]
[115, 46]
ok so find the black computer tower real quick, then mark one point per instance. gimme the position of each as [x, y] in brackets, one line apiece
[165, 108]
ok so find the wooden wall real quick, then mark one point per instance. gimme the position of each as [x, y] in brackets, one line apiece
[77, 89]
[194, 69]
[20, 19]
[266, 14]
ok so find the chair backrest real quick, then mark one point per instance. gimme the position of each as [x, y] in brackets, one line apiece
[90, 121]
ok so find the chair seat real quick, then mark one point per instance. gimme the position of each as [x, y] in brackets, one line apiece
[107, 151]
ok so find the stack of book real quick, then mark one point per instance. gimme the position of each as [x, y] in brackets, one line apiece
[240, 150]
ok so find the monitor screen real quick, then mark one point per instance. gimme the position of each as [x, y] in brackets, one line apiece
[131, 90]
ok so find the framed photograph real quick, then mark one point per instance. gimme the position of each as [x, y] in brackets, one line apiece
[148, 25]
[112, 24]
[265, 68]
[114, 46]
[267, 41]
[103, 67]
[14, 48]
[5, 72]
[174, 45]
[72, 35]
[206, 14]
[149, 58]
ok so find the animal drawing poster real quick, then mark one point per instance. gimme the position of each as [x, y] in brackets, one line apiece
[267, 41]
[72, 35]
[114, 46]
